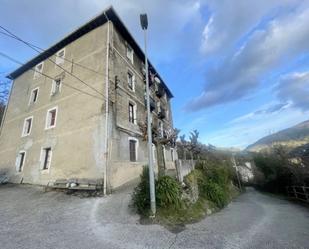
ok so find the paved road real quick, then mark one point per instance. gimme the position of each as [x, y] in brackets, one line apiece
[32, 219]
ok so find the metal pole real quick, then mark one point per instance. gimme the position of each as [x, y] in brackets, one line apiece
[236, 169]
[149, 135]
[106, 111]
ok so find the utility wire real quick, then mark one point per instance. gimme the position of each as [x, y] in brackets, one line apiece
[43, 50]
[47, 76]
[37, 50]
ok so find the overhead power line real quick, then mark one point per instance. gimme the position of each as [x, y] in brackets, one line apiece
[12, 35]
[47, 76]
[43, 50]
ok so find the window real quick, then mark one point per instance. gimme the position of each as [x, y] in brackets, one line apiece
[172, 154]
[27, 127]
[60, 56]
[133, 150]
[131, 81]
[161, 130]
[34, 96]
[46, 155]
[56, 86]
[38, 70]
[20, 161]
[51, 118]
[130, 53]
[132, 113]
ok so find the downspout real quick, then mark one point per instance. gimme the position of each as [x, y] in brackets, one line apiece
[106, 109]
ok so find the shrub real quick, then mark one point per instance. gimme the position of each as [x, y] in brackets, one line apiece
[215, 193]
[168, 192]
[213, 182]
[141, 194]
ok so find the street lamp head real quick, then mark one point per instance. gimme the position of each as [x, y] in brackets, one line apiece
[144, 21]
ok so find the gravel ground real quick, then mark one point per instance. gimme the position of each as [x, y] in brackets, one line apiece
[30, 218]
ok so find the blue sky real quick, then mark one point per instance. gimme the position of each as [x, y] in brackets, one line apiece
[239, 69]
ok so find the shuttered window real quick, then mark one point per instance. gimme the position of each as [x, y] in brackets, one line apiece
[132, 147]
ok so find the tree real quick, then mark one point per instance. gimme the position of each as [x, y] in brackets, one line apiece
[195, 147]
[168, 138]
[5, 86]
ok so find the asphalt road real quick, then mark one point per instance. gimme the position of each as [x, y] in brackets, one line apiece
[32, 219]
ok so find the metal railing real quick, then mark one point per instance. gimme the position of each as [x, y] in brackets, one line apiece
[298, 192]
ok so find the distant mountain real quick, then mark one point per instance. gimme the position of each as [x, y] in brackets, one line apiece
[292, 137]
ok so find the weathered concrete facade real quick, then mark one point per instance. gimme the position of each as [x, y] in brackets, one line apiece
[82, 125]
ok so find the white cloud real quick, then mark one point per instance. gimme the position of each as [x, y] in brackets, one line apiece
[231, 20]
[248, 129]
[45, 22]
[282, 41]
[294, 87]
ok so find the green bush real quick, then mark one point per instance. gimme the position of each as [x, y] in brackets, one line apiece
[215, 193]
[168, 192]
[141, 194]
[213, 183]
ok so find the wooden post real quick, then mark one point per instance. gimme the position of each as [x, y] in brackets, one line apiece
[295, 194]
[305, 193]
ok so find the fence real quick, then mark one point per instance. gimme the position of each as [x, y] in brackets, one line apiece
[298, 192]
[184, 167]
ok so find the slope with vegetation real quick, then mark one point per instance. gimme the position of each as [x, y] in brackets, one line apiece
[292, 137]
[207, 188]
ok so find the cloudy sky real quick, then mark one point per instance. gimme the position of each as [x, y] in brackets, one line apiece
[239, 69]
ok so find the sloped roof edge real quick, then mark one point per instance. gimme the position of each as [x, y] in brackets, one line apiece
[107, 14]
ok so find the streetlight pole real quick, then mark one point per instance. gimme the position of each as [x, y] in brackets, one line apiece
[237, 174]
[144, 24]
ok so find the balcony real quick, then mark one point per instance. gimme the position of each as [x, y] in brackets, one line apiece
[150, 77]
[162, 113]
[152, 103]
[159, 91]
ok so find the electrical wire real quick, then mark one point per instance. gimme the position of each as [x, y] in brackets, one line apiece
[43, 50]
[47, 76]
[38, 50]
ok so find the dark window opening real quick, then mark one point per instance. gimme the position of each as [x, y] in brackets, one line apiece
[34, 95]
[21, 161]
[131, 113]
[132, 145]
[47, 157]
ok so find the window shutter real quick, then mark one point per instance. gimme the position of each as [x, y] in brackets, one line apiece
[132, 148]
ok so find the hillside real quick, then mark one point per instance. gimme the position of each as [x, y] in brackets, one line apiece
[292, 137]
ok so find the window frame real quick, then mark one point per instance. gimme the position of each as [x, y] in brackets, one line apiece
[38, 73]
[134, 112]
[31, 102]
[130, 55]
[20, 166]
[135, 140]
[60, 60]
[43, 158]
[53, 86]
[47, 126]
[133, 80]
[23, 134]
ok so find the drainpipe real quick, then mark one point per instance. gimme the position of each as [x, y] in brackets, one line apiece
[106, 109]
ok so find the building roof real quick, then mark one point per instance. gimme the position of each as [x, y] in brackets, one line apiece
[107, 14]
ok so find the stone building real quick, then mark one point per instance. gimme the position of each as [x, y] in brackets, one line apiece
[74, 110]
